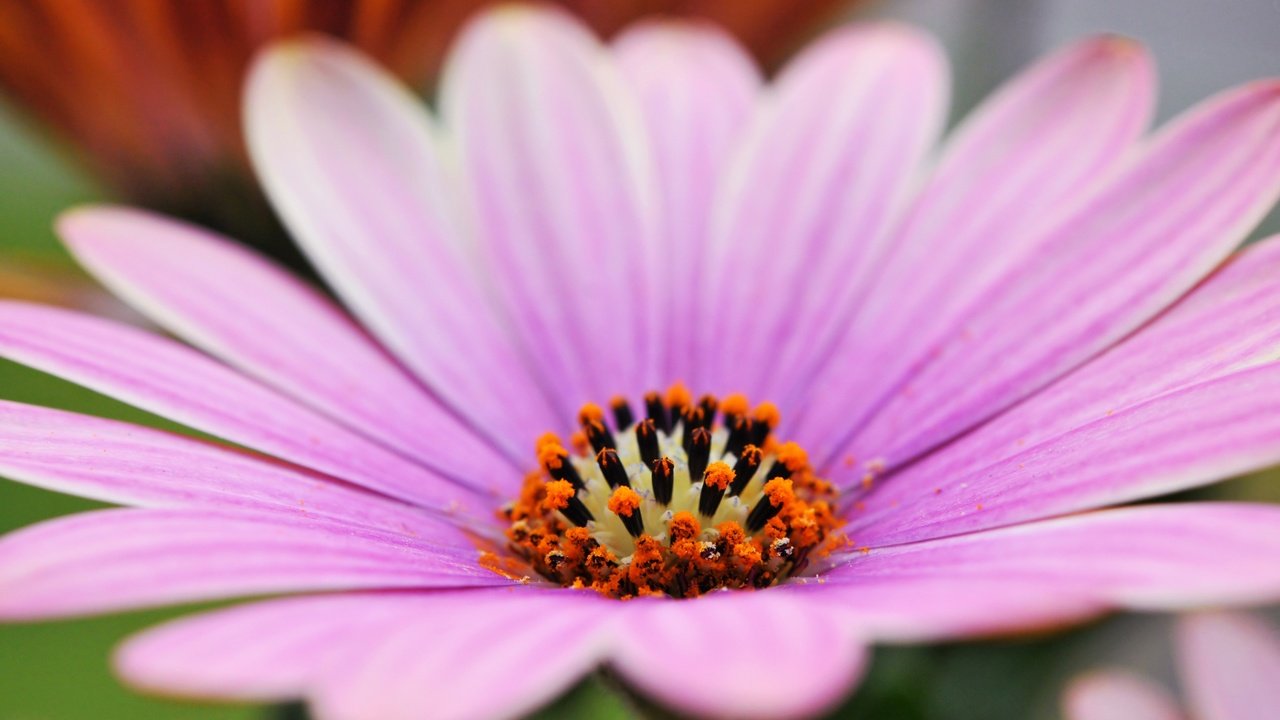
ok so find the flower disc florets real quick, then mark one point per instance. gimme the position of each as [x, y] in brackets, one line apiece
[674, 503]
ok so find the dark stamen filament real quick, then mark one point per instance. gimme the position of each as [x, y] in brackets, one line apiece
[745, 469]
[699, 452]
[656, 410]
[739, 436]
[759, 432]
[577, 512]
[664, 472]
[564, 470]
[623, 418]
[647, 440]
[715, 480]
[599, 436]
[763, 512]
[691, 420]
[614, 473]
[708, 404]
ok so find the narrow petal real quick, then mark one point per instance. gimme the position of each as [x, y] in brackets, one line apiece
[1142, 241]
[930, 607]
[802, 217]
[254, 315]
[1029, 462]
[740, 655]
[261, 652]
[130, 465]
[1200, 434]
[1056, 127]
[696, 90]
[486, 653]
[1229, 664]
[1159, 557]
[174, 381]
[1117, 695]
[358, 172]
[553, 153]
[111, 560]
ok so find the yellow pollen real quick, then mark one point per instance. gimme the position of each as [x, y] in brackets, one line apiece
[684, 526]
[558, 494]
[678, 395]
[793, 456]
[590, 412]
[624, 501]
[768, 413]
[718, 475]
[546, 438]
[735, 404]
[780, 491]
[551, 456]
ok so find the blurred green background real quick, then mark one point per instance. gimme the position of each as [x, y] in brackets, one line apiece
[59, 671]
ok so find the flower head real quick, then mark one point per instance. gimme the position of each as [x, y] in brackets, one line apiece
[916, 382]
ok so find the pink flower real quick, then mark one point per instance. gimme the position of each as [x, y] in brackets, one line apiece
[1229, 663]
[979, 351]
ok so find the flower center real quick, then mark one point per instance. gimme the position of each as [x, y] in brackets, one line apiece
[673, 504]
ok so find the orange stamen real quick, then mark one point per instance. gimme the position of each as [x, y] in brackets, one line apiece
[793, 457]
[624, 501]
[780, 492]
[718, 475]
[551, 456]
[683, 526]
[558, 494]
[735, 404]
[554, 526]
[590, 412]
[546, 438]
[769, 414]
[678, 395]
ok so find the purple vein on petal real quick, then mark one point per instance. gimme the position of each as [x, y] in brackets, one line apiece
[275, 328]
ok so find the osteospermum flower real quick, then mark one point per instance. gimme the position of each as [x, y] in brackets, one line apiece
[651, 367]
[1228, 663]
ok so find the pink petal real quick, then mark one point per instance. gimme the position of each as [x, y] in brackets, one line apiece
[696, 88]
[1117, 695]
[1141, 241]
[740, 655]
[264, 651]
[174, 381]
[1056, 127]
[1213, 430]
[1230, 664]
[254, 315]
[475, 654]
[802, 217]
[1229, 324]
[1159, 557]
[553, 153]
[933, 607]
[357, 170]
[111, 560]
[126, 464]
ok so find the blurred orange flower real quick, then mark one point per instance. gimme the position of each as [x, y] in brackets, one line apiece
[148, 91]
